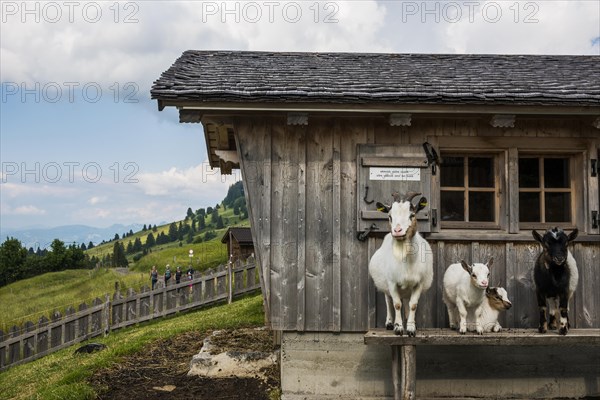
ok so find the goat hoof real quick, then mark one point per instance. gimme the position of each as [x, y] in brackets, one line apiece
[563, 331]
[541, 329]
[389, 326]
[412, 333]
[398, 330]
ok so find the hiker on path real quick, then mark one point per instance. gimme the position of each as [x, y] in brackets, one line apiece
[178, 274]
[167, 275]
[154, 276]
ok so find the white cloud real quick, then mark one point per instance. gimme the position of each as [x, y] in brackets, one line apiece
[108, 52]
[14, 190]
[541, 27]
[97, 199]
[174, 181]
[27, 210]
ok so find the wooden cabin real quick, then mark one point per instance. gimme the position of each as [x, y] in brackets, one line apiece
[239, 243]
[499, 144]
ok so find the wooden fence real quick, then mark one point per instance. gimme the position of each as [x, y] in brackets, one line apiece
[32, 341]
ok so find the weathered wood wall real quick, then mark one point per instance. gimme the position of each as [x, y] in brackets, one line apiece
[302, 196]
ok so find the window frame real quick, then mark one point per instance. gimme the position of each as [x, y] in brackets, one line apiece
[497, 160]
[578, 150]
[573, 161]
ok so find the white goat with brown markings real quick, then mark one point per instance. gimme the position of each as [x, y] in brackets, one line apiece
[495, 302]
[464, 291]
[402, 268]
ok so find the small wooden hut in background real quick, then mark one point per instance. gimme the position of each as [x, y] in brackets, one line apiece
[319, 136]
[239, 243]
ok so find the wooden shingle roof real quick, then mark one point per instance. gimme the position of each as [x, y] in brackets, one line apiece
[242, 235]
[357, 78]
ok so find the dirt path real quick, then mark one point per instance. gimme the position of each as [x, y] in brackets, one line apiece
[160, 372]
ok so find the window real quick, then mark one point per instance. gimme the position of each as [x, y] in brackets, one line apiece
[469, 191]
[545, 190]
[513, 184]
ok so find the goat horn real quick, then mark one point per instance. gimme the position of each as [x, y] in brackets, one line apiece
[411, 195]
[397, 197]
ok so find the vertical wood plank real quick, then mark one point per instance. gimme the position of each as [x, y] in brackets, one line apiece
[434, 199]
[319, 239]
[336, 232]
[440, 268]
[277, 214]
[513, 190]
[526, 309]
[511, 283]
[301, 213]
[593, 185]
[586, 302]
[253, 144]
[354, 258]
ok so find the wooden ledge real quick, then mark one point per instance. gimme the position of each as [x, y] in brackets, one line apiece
[508, 337]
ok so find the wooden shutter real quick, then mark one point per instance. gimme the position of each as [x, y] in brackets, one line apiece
[384, 170]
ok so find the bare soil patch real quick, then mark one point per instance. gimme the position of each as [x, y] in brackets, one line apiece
[160, 371]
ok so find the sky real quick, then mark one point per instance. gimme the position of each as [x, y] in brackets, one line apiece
[82, 143]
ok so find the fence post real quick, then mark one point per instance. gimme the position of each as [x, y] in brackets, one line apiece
[230, 280]
[106, 315]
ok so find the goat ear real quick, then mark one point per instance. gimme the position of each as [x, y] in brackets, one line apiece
[573, 235]
[466, 266]
[382, 207]
[421, 204]
[537, 236]
[490, 262]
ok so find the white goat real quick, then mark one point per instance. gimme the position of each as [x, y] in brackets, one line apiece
[402, 268]
[464, 290]
[496, 301]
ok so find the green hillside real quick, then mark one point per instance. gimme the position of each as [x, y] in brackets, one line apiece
[29, 299]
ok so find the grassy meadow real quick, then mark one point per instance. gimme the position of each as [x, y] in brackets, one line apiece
[62, 375]
[29, 299]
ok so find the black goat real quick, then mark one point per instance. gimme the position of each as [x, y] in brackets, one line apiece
[555, 276]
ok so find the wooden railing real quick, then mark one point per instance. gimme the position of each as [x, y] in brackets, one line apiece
[32, 341]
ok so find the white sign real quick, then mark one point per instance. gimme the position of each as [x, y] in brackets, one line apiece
[394, 174]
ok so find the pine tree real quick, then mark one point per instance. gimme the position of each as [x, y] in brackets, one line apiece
[119, 259]
[144, 228]
[90, 245]
[214, 216]
[173, 232]
[137, 245]
[150, 241]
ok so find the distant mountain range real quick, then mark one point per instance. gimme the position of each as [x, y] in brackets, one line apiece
[69, 234]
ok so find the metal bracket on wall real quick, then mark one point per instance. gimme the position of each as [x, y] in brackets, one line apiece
[362, 236]
[367, 194]
[594, 167]
[432, 156]
[594, 219]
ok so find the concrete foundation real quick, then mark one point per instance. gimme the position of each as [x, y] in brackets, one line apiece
[340, 366]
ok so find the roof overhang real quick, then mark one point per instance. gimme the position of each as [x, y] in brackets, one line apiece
[217, 118]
